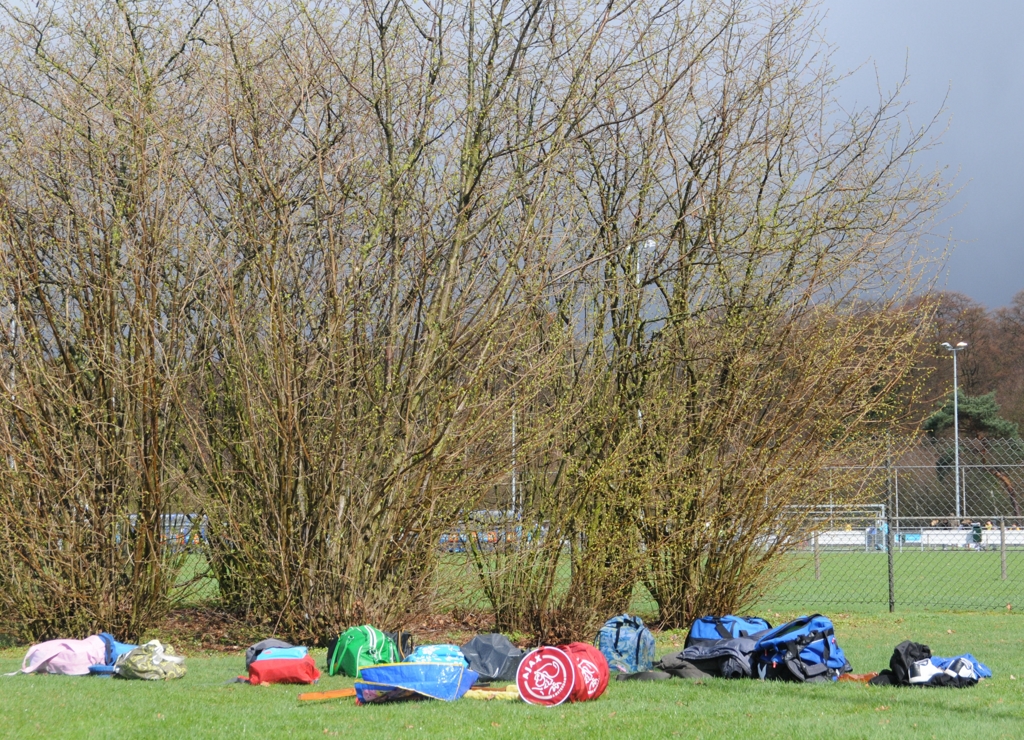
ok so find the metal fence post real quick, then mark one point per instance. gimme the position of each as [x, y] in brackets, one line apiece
[889, 532]
[889, 554]
[1002, 546]
[896, 493]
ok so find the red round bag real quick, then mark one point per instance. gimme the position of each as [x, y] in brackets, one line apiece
[546, 676]
[591, 668]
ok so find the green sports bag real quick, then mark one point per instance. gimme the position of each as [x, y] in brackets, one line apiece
[358, 647]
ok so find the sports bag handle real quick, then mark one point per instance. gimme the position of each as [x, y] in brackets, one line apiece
[619, 624]
[722, 631]
[334, 657]
[827, 651]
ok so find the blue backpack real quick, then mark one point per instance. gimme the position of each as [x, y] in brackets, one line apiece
[802, 650]
[707, 630]
[626, 644]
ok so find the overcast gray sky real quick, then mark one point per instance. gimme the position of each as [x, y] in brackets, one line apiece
[974, 50]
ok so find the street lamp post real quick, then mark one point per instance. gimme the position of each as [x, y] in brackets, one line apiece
[956, 425]
[649, 245]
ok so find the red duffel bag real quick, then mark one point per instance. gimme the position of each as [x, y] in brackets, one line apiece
[591, 668]
[546, 676]
[552, 675]
[283, 670]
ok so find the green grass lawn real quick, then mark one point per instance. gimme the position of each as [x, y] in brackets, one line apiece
[849, 581]
[932, 579]
[854, 581]
[202, 705]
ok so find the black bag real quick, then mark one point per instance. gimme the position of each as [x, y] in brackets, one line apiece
[493, 657]
[902, 669]
[404, 642]
[904, 656]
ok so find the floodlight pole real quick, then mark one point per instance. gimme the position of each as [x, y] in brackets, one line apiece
[956, 437]
[956, 425]
[515, 506]
[650, 244]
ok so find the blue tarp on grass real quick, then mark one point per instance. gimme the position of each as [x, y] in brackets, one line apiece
[432, 680]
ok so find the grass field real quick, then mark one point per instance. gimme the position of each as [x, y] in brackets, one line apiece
[847, 582]
[202, 705]
[930, 579]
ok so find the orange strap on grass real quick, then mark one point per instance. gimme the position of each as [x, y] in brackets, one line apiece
[322, 695]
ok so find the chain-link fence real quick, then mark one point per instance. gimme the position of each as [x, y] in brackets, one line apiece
[934, 535]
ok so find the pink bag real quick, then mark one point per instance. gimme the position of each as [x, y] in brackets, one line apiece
[69, 657]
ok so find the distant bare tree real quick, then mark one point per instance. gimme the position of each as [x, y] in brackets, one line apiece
[1010, 332]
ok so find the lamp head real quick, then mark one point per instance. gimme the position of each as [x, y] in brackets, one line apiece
[961, 345]
[947, 345]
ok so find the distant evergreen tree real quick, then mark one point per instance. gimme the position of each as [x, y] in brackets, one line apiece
[979, 418]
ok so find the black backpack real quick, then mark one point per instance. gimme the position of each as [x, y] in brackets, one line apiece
[901, 664]
[905, 655]
[404, 642]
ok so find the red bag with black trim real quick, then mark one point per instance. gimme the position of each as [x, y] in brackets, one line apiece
[283, 670]
[591, 668]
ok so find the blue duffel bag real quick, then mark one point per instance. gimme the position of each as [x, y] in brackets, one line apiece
[707, 630]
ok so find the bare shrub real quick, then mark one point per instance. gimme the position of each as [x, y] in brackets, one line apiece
[372, 193]
[300, 265]
[757, 353]
[563, 560]
[739, 300]
[98, 270]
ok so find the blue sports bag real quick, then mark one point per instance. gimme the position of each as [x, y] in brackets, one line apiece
[802, 650]
[707, 630]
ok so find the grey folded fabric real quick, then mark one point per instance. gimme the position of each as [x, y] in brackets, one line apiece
[259, 647]
[719, 659]
[644, 676]
[676, 666]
